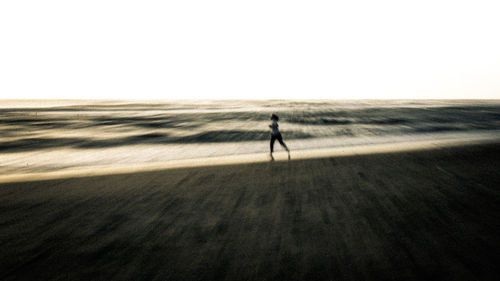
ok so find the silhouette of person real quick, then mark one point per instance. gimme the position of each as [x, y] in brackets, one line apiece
[276, 135]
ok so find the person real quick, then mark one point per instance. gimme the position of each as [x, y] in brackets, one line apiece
[276, 135]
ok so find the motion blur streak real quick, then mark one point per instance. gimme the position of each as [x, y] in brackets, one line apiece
[55, 135]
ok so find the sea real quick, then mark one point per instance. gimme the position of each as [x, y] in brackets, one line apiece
[53, 135]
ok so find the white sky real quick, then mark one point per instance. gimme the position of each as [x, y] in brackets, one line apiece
[249, 49]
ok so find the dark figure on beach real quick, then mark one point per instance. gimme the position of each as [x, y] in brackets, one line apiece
[276, 135]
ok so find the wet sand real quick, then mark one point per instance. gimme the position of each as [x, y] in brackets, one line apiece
[411, 215]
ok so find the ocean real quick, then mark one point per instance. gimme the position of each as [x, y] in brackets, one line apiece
[53, 135]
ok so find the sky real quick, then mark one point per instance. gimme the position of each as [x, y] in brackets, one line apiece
[249, 49]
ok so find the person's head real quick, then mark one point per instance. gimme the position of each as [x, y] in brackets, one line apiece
[274, 117]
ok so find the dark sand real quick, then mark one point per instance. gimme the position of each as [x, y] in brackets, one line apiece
[396, 216]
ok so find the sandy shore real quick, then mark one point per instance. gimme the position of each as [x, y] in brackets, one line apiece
[406, 215]
[49, 167]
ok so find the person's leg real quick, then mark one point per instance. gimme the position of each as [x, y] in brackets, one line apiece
[273, 138]
[280, 139]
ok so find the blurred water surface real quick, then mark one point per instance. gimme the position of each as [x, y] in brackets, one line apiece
[51, 135]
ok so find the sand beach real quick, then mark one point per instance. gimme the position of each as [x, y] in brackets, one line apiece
[414, 214]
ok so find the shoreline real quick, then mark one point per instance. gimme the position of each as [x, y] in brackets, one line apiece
[302, 154]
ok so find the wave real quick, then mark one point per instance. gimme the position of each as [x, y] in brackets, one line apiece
[109, 125]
